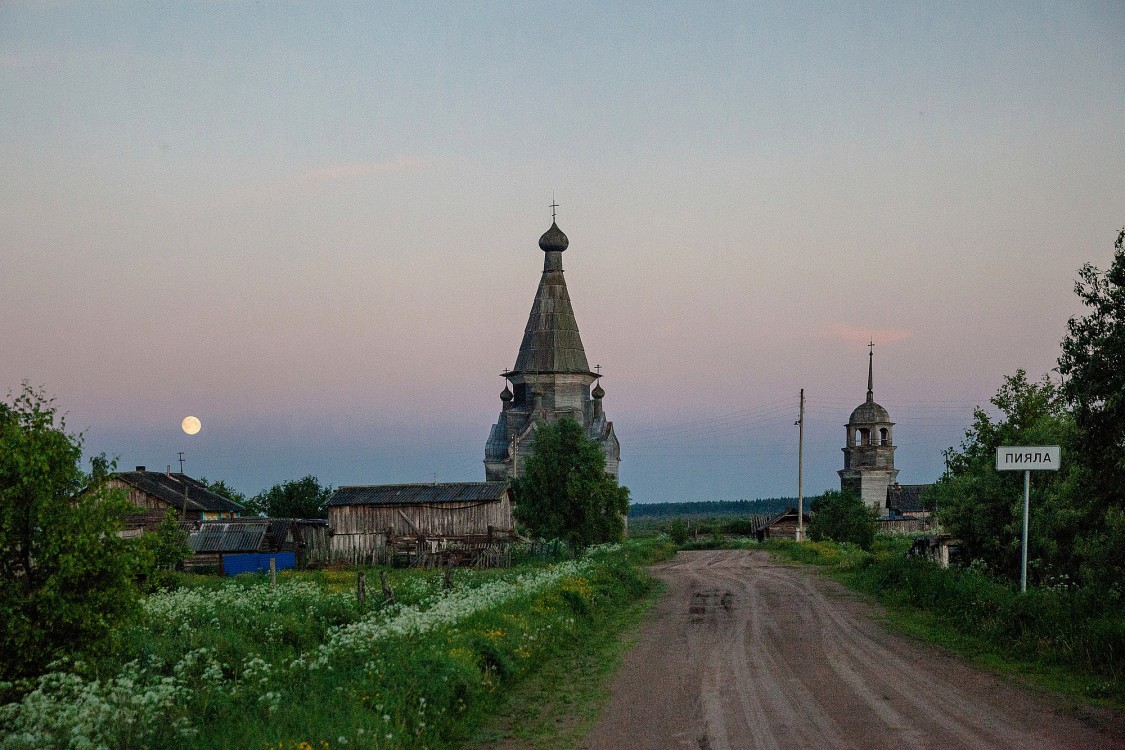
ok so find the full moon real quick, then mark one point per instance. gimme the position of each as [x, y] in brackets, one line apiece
[191, 425]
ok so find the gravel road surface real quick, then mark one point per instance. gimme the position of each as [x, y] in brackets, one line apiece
[746, 653]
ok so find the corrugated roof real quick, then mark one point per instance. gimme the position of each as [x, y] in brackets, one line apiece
[169, 487]
[241, 536]
[416, 494]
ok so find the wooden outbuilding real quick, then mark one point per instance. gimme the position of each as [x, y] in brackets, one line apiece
[781, 526]
[154, 492]
[365, 520]
[246, 544]
[905, 501]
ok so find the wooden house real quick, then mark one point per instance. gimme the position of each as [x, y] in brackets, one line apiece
[905, 501]
[365, 519]
[154, 492]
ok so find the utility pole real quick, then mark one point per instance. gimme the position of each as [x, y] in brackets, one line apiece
[800, 471]
[181, 462]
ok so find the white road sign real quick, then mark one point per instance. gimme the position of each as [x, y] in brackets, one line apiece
[1028, 458]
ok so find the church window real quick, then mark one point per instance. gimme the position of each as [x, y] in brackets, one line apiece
[884, 436]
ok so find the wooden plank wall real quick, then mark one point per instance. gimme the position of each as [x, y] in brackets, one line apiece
[359, 532]
[359, 548]
[905, 526]
[138, 498]
[446, 519]
[316, 544]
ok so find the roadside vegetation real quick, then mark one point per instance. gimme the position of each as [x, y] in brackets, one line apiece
[1077, 534]
[1066, 637]
[238, 664]
[1069, 627]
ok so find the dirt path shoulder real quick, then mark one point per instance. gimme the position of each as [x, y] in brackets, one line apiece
[745, 653]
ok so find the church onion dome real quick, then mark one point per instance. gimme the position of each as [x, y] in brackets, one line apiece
[553, 239]
[869, 412]
[598, 391]
[505, 395]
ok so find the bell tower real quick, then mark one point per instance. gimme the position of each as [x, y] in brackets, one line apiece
[869, 450]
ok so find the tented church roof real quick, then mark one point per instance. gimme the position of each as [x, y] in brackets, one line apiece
[551, 343]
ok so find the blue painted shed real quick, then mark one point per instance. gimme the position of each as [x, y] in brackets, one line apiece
[257, 562]
[243, 545]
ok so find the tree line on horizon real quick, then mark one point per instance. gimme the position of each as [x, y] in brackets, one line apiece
[712, 508]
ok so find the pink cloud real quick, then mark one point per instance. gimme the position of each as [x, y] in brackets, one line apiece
[363, 169]
[853, 335]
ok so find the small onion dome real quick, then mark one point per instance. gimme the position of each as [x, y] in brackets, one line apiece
[869, 413]
[598, 392]
[505, 395]
[553, 239]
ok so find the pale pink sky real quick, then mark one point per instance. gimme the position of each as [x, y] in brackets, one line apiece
[315, 229]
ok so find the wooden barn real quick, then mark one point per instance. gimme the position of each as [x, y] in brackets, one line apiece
[154, 492]
[781, 526]
[366, 519]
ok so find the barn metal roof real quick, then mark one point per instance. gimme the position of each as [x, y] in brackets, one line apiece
[169, 487]
[244, 536]
[418, 494]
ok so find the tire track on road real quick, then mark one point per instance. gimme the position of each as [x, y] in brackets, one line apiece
[746, 654]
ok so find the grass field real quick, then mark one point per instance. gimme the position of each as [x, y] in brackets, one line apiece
[238, 664]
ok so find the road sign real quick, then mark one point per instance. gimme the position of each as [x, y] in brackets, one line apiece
[1028, 458]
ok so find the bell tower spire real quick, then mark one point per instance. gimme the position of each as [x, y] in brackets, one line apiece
[870, 366]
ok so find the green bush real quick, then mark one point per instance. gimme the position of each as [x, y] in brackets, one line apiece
[842, 517]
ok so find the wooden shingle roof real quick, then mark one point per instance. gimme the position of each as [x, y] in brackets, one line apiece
[419, 494]
[551, 343]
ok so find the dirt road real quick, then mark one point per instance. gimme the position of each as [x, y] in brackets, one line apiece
[745, 653]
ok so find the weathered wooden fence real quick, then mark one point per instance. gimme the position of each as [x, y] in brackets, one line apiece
[478, 550]
[900, 526]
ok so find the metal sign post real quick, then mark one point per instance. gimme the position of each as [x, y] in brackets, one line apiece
[1027, 459]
